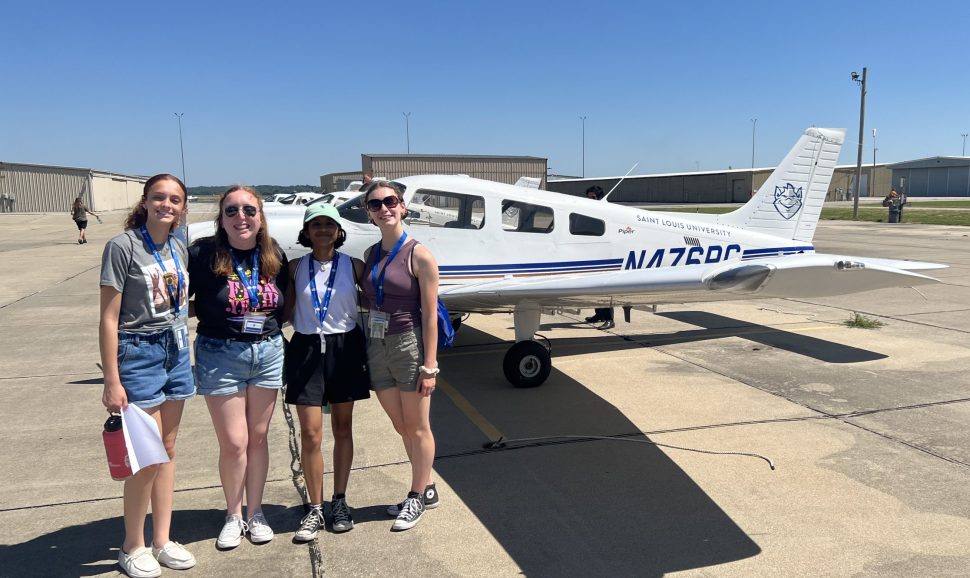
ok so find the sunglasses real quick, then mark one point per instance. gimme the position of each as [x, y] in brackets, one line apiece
[233, 210]
[391, 202]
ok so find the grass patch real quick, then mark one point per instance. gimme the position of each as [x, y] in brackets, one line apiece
[860, 321]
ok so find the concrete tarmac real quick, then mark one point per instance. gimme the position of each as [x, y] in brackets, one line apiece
[866, 429]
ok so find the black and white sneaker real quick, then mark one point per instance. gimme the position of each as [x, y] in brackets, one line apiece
[342, 520]
[309, 526]
[430, 498]
[411, 510]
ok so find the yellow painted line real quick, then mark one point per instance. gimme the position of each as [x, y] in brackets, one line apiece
[491, 432]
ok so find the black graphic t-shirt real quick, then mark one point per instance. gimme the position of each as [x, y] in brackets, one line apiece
[222, 303]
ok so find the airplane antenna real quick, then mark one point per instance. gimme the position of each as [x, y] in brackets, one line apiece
[621, 180]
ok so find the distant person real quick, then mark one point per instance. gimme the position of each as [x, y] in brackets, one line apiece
[143, 339]
[326, 361]
[601, 314]
[894, 201]
[239, 281]
[366, 179]
[80, 215]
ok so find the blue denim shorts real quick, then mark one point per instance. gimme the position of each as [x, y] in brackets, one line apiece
[228, 366]
[152, 369]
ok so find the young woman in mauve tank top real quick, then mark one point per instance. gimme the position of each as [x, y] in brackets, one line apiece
[400, 289]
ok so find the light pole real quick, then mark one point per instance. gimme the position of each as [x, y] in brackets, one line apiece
[872, 177]
[407, 128]
[178, 115]
[754, 125]
[583, 118]
[862, 124]
[964, 135]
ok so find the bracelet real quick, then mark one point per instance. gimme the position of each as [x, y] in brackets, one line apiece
[429, 370]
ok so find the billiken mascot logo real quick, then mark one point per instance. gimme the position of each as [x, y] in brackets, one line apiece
[788, 200]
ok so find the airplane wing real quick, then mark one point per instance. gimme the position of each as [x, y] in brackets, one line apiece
[806, 275]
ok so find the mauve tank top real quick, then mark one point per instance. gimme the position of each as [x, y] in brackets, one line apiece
[402, 294]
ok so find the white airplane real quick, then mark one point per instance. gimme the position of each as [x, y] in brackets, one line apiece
[515, 249]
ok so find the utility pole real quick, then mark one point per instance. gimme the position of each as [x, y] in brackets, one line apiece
[964, 135]
[583, 118]
[407, 129]
[754, 125]
[178, 115]
[862, 124]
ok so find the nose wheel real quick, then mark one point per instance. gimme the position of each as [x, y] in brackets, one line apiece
[527, 364]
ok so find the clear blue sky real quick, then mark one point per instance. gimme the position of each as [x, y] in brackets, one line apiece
[280, 93]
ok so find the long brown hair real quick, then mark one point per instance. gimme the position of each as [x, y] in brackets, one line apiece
[269, 256]
[139, 214]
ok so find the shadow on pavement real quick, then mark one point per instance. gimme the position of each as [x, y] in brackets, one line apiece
[574, 508]
[91, 549]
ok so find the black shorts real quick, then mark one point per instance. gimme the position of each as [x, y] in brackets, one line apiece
[81, 225]
[342, 375]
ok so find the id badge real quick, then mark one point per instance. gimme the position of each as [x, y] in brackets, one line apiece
[323, 343]
[377, 324]
[253, 324]
[181, 332]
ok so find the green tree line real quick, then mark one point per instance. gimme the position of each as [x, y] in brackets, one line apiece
[264, 190]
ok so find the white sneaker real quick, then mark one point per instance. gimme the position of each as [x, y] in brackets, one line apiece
[139, 563]
[174, 555]
[259, 530]
[232, 533]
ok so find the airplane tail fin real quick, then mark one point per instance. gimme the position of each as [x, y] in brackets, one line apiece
[789, 203]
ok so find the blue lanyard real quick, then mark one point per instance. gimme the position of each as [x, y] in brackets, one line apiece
[250, 283]
[321, 311]
[378, 282]
[174, 293]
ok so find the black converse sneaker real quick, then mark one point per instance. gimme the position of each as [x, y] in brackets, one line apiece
[411, 510]
[342, 520]
[430, 499]
[309, 526]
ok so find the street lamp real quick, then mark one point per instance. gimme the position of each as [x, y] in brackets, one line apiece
[583, 118]
[872, 177]
[964, 135]
[178, 115]
[862, 123]
[407, 128]
[754, 124]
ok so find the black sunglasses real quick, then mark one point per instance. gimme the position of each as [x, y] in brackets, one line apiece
[233, 210]
[391, 202]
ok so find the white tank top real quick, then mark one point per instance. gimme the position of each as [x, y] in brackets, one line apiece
[342, 313]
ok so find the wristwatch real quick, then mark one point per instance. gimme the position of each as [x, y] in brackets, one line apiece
[429, 370]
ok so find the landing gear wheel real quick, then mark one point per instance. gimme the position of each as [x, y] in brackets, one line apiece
[527, 364]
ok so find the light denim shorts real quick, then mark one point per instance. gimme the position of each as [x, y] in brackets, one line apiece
[394, 360]
[228, 366]
[152, 369]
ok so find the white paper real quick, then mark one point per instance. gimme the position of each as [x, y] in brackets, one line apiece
[144, 442]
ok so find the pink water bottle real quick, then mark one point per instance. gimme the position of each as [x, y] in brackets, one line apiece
[115, 448]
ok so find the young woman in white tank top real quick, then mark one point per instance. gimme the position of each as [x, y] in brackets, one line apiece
[326, 360]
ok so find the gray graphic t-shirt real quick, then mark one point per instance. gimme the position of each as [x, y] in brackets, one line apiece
[127, 265]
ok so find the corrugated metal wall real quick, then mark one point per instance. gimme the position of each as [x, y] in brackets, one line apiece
[42, 189]
[499, 169]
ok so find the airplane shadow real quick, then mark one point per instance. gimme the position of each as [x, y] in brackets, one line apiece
[718, 326]
[569, 508]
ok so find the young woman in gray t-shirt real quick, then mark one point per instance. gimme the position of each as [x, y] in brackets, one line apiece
[145, 356]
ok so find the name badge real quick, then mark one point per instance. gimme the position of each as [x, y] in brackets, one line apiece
[181, 335]
[253, 324]
[323, 343]
[377, 323]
